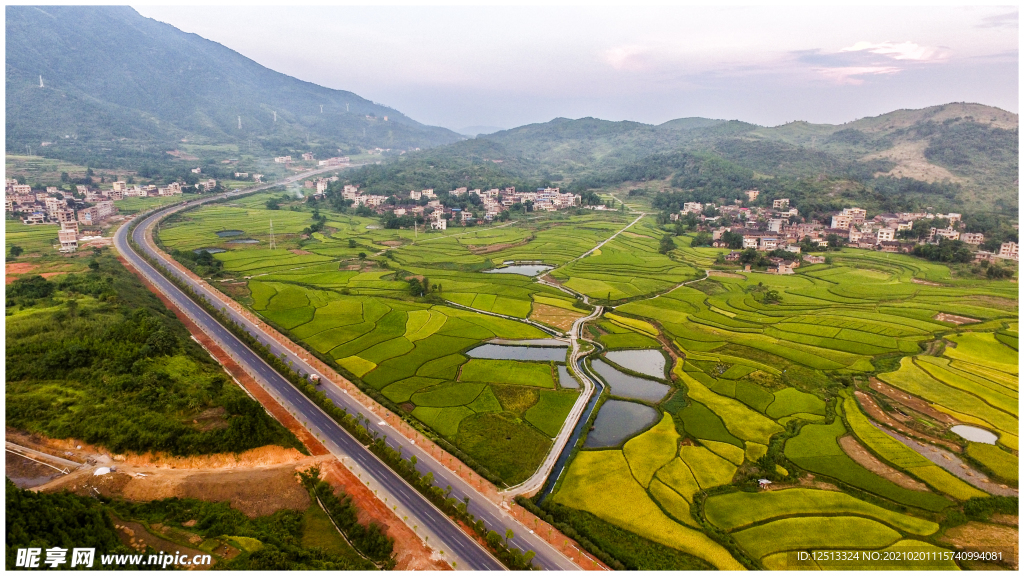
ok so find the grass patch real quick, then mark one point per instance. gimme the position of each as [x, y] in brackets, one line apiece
[815, 533]
[739, 509]
[648, 452]
[510, 449]
[508, 372]
[549, 413]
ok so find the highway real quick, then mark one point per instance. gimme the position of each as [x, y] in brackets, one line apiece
[430, 522]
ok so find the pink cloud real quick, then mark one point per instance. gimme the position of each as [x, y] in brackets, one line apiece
[629, 57]
[853, 74]
[900, 51]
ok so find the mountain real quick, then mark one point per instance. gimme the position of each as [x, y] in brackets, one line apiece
[970, 145]
[473, 131]
[109, 74]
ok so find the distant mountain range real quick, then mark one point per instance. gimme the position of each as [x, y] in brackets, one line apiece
[121, 89]
[968, 144]
[110, 74]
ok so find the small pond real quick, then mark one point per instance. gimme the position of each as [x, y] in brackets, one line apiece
[565, 379]
[244, 241]
[210, 250]
[625, 386]
[524, 269]
[974, 434]
[531, 342]
[230, 233]
[617, 421]
[649, 362]
[502, 352]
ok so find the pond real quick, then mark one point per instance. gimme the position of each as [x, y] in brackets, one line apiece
[503, 352]
[210, 250]
[625, 386]
[244, 241]
[230, 233]
[974, 434]
[617, 421]
[566, 379]
[649, 362]
[531, 342]
[523, 269]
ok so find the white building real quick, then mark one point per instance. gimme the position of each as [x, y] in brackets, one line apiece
[886, 235]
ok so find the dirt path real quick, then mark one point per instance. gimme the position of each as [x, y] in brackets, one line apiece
[912, 402]
[861, 455]
[872, 408]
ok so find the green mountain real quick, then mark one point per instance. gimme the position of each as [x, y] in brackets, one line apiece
[110, 75]
[967, 145]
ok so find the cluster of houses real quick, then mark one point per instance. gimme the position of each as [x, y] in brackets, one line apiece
[36, 207]
[320, 184]
[309, 157]
[90, 208]
[495, 201]
[768, 229]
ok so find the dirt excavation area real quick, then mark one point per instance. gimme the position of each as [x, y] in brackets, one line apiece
[254, 490]
[257, 482]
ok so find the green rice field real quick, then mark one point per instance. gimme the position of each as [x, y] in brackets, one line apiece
[759, 389]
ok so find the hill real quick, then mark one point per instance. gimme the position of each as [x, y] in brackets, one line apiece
[110, 75]
[969, 146]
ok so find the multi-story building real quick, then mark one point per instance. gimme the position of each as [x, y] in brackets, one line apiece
[842, 221]
[1008, 250]
[283, 159]
[692, 208]
[780, 204]
[886, 235]
[68, 237]
[972, 238]
[857, 215]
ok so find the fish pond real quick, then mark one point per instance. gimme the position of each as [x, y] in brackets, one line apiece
[626, 386]
[974, 434]
[617, 421]
[523, 269]
[648, 362]
[530, 353]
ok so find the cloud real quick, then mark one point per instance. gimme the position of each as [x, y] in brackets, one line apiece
[629, 57]
[1007, 20]
[900, 51]
[853, 75]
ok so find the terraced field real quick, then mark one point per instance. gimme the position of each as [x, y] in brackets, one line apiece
[759, 389]
[626, 267]
[751, 369]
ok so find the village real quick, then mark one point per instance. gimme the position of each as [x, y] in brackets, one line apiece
[87, 207]
[426, 204]
[779, 228]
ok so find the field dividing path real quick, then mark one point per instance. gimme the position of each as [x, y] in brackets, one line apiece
[534, 483]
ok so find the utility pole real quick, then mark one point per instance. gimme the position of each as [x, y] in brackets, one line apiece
[272, 245]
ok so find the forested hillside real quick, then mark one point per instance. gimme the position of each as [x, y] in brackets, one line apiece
[114, 82]
[959, 157]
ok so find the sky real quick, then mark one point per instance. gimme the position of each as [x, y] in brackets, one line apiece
[464, 66]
